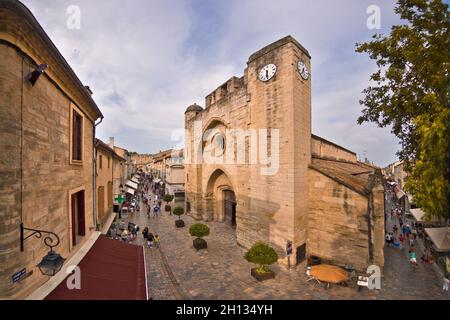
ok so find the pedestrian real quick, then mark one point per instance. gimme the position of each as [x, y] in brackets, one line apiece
[411, 241]
[150, 239]
[388, 238]
[402, 239]
[149, 209]
[412, 257]
[157, 240]
[145, 233]
[445, 285]
[400, 222]
[395, 229]
[135, 231]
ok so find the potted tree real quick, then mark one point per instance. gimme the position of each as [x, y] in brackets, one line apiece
[199, 230]
[178, 211]
[263, 256]
[168, 198]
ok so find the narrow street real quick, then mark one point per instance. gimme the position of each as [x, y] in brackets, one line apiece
[177, 271]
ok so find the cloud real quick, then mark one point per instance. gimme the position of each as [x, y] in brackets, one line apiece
[146, 61]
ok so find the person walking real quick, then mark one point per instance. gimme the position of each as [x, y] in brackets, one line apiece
[150, 239]
[157, 240]
[395, 229]
[445, 285]
[145, 233]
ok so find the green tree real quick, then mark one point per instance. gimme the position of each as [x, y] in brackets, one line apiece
[410, 92]
[262, 255]
[199, 230]
[168, 198]
[178, 211]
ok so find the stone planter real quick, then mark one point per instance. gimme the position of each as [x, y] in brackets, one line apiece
[200, 244]
[262, 277]
[179, 223]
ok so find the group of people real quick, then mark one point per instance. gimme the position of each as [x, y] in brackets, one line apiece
[403, 233]
[152, 240]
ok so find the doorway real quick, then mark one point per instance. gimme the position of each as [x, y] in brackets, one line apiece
[77, 216]
[229, 203]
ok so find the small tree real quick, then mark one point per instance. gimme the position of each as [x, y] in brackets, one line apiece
[262, 255]
[178, 211]
[168, 198]
[199, 230]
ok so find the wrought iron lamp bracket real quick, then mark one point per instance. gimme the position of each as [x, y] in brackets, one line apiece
[51, 239]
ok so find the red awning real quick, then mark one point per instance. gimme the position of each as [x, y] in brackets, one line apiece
[111, 270]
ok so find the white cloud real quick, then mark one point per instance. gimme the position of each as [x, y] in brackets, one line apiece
[146, 61]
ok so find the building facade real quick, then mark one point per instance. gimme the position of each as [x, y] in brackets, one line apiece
[47, 123]
[108, 178]
[160, 164]
[252, 162]
[175, 177]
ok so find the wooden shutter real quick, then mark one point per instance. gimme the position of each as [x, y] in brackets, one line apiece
[74, 135]
[81, 214]
[77, 136]
[74, 213]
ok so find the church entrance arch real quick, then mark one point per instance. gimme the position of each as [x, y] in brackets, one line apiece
[221, 199]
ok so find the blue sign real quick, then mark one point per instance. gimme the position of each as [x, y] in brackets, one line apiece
[19, 275]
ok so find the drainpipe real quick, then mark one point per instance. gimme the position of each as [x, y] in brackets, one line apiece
[94, 175]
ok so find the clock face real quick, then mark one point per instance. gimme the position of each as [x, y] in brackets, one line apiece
[303, 70]
[267, 72]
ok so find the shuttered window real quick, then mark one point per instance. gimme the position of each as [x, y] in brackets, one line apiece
[77, 136]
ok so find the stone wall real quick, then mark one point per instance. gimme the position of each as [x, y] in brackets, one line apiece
[326, 149]
[48, 177]
[337, 223]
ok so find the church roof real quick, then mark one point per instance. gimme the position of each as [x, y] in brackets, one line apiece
[353, 175]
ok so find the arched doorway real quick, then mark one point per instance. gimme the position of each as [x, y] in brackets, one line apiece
[221, 204]
[229, 207]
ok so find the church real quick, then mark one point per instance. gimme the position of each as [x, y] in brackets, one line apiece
[280, 183]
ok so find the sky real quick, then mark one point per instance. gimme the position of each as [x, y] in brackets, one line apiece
[147, 61]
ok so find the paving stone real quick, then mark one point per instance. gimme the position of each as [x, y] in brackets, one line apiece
[221, 272]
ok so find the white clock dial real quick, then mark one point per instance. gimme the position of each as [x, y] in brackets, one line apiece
[267, 72]
[303, 70]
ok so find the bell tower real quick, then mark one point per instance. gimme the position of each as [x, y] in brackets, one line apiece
[279, 101]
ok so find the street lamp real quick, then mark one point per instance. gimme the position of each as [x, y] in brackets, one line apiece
[52, 263]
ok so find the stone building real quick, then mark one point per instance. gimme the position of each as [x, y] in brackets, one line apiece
[128, 168]
[160, 163]
[252, 162]
[47, 130]
[108, 178]
[175, 177]
[141, 160]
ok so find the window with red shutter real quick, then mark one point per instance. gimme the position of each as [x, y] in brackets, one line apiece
[77, 136]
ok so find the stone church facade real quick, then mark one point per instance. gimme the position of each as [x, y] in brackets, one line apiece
[301, 188]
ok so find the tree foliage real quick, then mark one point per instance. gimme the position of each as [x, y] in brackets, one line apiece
[262, 255]
[199, 230]
[410, 92]
[178, 211]
[168, 198]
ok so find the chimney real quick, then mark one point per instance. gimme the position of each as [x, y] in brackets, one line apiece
[111, 142]
[89, 90]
